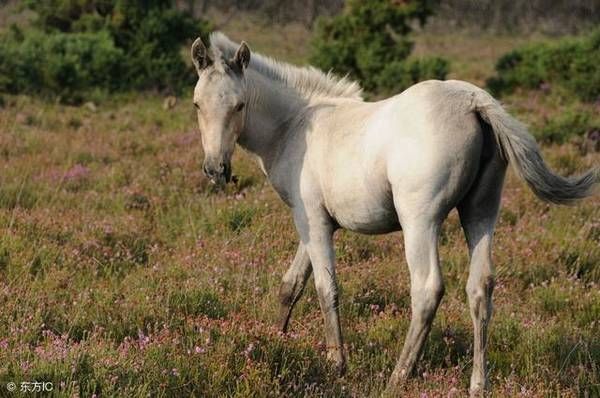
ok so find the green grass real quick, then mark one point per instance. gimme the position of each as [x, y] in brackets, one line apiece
[123, 272]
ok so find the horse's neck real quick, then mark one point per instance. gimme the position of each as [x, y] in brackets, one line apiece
[271, 110]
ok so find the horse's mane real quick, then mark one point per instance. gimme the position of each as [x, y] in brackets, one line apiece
[307, 81]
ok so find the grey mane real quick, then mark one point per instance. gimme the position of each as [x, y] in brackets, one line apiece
[307, 81]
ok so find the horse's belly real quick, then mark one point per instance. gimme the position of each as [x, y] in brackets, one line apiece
[357, 192]
[376, 223]
[365, 213]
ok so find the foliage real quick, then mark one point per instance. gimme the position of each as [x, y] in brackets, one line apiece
[370, 42]
[64, 64]
[571, 122]
[571, 63]
[399, 75]
[108, 45]
[566, 74]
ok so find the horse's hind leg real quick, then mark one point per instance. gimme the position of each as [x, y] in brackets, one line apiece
[478, 212]
[426, 291]
[293, 284]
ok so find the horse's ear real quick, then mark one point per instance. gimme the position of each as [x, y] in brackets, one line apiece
[242, 56]
[200, 57]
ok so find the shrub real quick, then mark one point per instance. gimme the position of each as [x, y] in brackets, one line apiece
[370, 42]
[399, 75]
[152, 42]
[570, 122]
[64, 64]
[571, 63]
[78, 46]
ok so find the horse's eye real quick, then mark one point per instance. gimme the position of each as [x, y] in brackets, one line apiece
[239, 107]
[196, 105]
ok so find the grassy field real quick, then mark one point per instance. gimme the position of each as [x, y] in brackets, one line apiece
[123, 272]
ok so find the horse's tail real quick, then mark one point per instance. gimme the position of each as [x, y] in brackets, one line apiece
[519, 148]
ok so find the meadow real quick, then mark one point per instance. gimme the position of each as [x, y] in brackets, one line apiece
[124, 272]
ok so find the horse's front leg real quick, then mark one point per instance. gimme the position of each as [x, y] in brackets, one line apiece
[292, 285]
[316, 232]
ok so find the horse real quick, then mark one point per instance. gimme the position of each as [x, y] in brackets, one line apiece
[402, 163]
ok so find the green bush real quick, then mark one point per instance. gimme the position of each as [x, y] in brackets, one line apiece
[63, 64]
[79, 46]
[400, 75]
[151, 37]
[571, 63]
[369, 41]
[572, 121]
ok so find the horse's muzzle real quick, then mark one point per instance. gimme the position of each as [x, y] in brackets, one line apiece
[218, 172]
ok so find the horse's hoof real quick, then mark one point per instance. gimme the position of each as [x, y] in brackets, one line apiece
[398, 377]
[284, 319]
[393, 389]
[477, 392]
[341, 368]
[397, 380]
[282, 325]
[478, 387]
[339, 360]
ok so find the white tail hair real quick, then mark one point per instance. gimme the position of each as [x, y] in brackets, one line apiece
[519, 149]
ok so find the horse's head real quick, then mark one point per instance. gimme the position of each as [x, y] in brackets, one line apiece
[220, 100]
